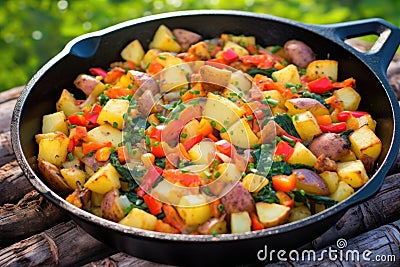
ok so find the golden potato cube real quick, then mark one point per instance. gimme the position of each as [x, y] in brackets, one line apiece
[73, 175]
[113, 113]
[299, 212]
[104, 180]
[66, 103]
[203, 152]
[241, 82]
[348, 157]
[321, 68]
[165, 40]
[133, 52]
[288, 74]
[228, 112]
[240, 222]
[55, 122]
[272, 214]
[105, 133]
[189, 130]
[254, 182]
[349, 97]
[302, 155]
[331, 179]
[240, 134]
[96, 199]
[342, 192]
[54, 150]
[149, 57]
[276, 95]
[355, 123]
[365, 142]
[139, 219]
[173, 79]
[194, 209]
[238, 49]
[353, 173]
[306, 125]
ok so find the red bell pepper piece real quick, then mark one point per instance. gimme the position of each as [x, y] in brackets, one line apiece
[284, 199]
[256, 225]
[98, 72]
[294, 138]
[88, 147]
[158, 150]
[283, 148]
[344, 115]
[150, 178]
[333, 128]
[172, 217]
[320, 86]
[154, 205]
[263, 61]
[224, 147]
[78, 118]
[93, 113]
[192, 141]
[156, 132]
[189, 179]
[229, 55]
[284, 183]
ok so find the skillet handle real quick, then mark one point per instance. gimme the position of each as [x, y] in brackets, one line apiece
[383, 50]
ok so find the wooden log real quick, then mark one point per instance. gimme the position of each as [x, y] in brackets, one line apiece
[8, 99]
[121, 260]
[13, 184]
[379, 247]
[367, 215]
[10, 94]
[65, 244]
[31, 215]
[6, 151]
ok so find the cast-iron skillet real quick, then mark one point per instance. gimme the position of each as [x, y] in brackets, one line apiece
[100, 48]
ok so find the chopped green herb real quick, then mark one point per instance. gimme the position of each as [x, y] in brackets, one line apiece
[70, 156]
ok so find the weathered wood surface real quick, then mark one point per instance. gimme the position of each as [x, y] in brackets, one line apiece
[35, 232]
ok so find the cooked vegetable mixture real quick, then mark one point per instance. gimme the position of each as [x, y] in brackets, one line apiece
[209, 137]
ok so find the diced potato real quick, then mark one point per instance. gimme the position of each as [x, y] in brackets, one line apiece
[66, 103]
[299, 212]
[331, 179]
[350, 98]
[41, 136]
[54, 150]
[104, 180]
[200, 50]
[164, 40]
[306, 125]
[228, 112]
[348, 157]
[194, 209]
[239, 50]
[165, 191]
[240, 222]
[272, 214]
[55, 122]
[342, 192]
[276, 95]
[73, 175]
[133, 52]
[139, 219]
[173, 79]
[365, 142]
[203, 152]
[214, 79]
[113, 113]
[321, 68]
[218, 228]
[189, 130]
[355, 123]
[105, 133]
[228, 173]
[239, 39]
[288, 74]
[353, 173]
[300, 105]
[254, 182]
[302, 155]
[240, 134]
[168, 60]
[149, 57]
[241, 81]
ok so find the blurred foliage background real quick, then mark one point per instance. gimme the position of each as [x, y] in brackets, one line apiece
[33, 31]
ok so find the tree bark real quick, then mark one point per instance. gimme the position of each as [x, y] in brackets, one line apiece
[31, 215]
[123, 260]
[65, 244]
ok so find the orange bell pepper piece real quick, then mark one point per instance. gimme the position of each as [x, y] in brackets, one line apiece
[284, 183]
